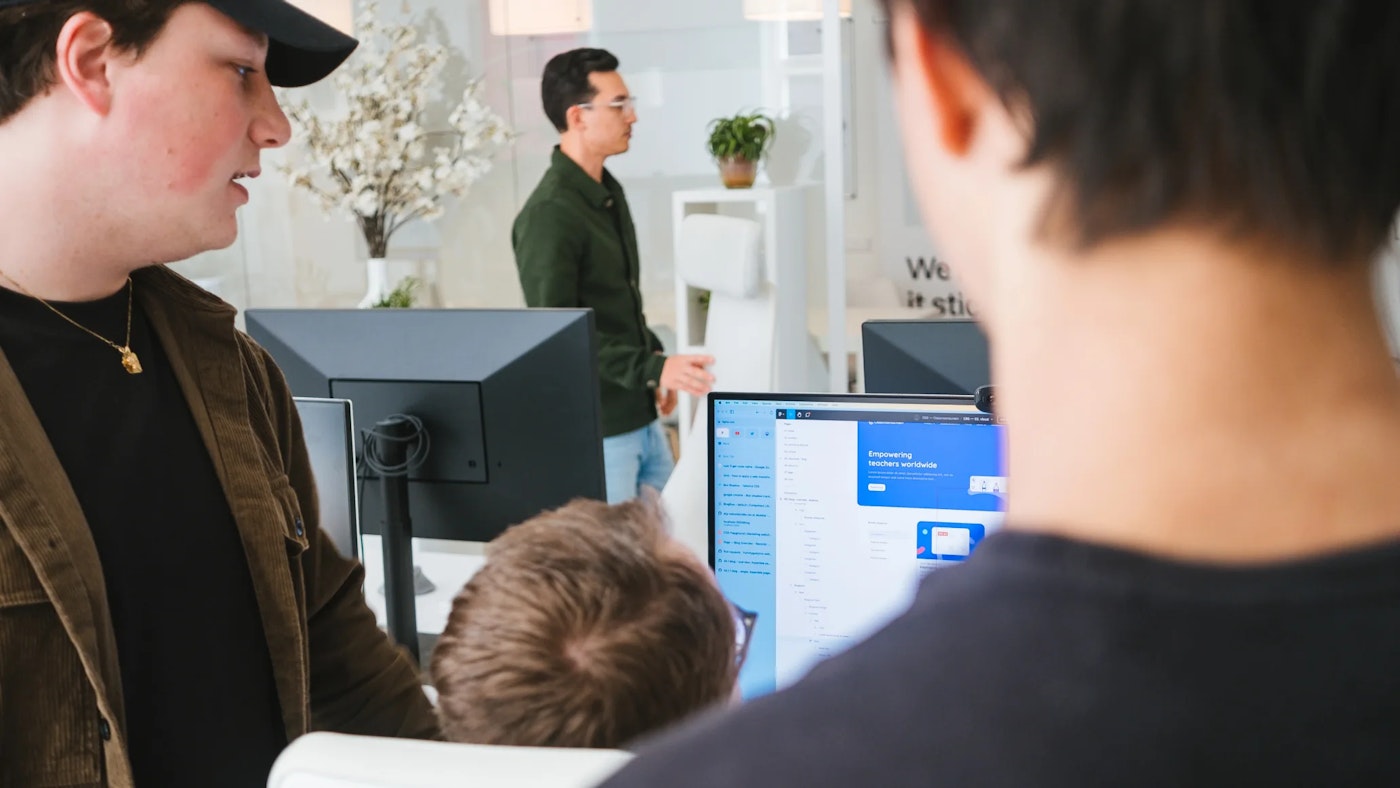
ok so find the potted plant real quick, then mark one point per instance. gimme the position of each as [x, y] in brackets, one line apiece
[377, 159]
[737, 144]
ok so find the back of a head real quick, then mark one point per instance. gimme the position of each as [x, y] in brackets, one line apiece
[587, 627]
[565, 81]
[1272, 122]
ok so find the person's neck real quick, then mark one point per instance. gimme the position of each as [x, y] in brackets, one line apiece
[38, 264]
[589, 162]
[53, 242]
[1174, 396]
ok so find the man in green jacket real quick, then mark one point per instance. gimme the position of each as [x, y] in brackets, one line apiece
[575, 246]
[171, 613]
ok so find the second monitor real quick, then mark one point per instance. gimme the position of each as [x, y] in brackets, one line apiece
[938, 357]
[509, 399]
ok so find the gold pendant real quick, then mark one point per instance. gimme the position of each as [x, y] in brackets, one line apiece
[130, 361]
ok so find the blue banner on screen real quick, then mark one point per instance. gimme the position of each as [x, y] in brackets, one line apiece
[928, 466]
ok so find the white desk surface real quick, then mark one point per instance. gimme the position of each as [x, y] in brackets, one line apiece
[448, 571]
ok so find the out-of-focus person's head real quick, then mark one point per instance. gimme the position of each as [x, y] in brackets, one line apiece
[1082, 122]
[585, 97]
[588, 626]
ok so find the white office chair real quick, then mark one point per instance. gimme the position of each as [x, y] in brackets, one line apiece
[724, 255]
[335, 760]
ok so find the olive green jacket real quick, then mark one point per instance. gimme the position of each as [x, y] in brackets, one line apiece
[576, 247]
[61, 705]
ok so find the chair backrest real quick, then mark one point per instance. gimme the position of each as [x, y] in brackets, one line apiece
[334, 760]
[724, 254]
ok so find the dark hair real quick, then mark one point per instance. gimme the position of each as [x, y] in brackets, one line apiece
[565, 81]
[29, 40]
[1270, 120]
[588, 626]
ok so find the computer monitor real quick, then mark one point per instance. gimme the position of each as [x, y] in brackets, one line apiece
[329, 428]
[924, 356]
[508, 397]
[826, 510]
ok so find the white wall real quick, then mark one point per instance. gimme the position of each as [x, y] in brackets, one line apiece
[687, 62]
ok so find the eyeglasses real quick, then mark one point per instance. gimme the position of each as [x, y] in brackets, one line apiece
[624, 104]
[744, 621]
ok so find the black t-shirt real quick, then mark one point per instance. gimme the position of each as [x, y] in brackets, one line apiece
[201, 703]
[1047, 662]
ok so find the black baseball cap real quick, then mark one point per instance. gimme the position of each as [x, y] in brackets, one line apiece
[301, 48]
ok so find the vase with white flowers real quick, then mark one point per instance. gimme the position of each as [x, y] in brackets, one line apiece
[377, 160]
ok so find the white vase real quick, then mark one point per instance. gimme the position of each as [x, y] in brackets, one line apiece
[377, 286]
[383, 275]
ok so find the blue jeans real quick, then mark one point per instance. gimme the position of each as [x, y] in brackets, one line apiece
[636, 458]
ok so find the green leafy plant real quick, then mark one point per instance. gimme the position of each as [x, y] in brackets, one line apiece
[743, 136]
[401, 297]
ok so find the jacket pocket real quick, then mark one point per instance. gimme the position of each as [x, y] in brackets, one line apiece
[294, 539]
[49, 723]
[293, 525]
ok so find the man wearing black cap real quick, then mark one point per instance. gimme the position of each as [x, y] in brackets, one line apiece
[170, 612]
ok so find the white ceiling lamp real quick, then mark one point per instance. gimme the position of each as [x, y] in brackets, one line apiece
[339, 14]
[788, 10]
[540, 17]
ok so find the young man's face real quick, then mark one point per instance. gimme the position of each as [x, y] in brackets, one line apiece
[188, 118]
[608, 129]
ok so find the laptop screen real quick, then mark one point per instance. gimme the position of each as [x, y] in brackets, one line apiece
[328, 427]
[826, 510]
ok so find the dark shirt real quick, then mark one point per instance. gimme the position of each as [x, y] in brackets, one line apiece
[1047, 662]
[196, 673]
[575, 246]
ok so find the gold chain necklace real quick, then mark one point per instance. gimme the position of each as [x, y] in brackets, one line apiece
[130, 362]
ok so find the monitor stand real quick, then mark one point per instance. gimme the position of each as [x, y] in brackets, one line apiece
[396, 532]
[422, 586]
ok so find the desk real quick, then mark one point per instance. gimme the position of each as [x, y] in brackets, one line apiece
[448, 571]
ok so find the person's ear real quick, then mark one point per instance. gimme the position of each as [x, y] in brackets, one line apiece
[84, 55]
[573, 117]
[956, 91]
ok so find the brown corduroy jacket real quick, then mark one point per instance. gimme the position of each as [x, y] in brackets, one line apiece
[61, 705]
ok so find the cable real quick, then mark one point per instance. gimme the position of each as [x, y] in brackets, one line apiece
[420, 444]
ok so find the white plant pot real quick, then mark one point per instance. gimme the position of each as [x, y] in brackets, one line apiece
[377, 286]
[382, 275]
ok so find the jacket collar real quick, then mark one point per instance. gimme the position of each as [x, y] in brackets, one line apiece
[599, 195]
[176, 291]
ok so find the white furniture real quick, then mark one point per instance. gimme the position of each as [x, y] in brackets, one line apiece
[448, 571]
[705, 249]
[334, 760]
[686, 497]
[723, 255]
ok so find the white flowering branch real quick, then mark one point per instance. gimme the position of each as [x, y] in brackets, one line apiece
[377, 162]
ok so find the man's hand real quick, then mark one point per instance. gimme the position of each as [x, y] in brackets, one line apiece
[665, 401]
[688, 374]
